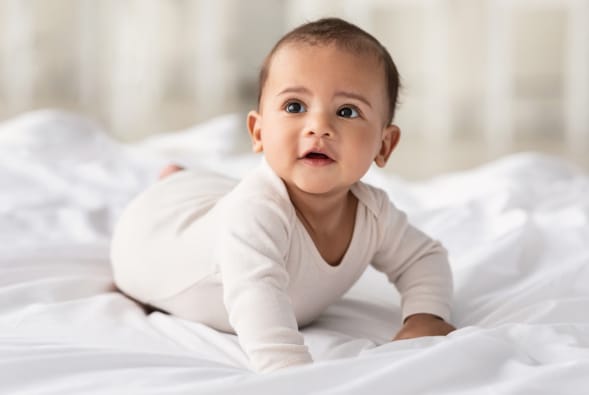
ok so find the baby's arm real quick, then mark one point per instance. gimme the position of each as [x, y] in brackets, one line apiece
[419, 268]
[255, 284]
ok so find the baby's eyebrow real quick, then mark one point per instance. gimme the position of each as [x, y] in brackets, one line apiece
[302, 89]
[353, 95]
[294, 89]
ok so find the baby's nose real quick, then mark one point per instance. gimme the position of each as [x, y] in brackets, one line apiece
[319, 125]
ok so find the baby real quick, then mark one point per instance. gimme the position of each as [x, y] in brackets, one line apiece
[268, 255]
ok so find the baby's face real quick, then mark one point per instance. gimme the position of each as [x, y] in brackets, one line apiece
[322, 117]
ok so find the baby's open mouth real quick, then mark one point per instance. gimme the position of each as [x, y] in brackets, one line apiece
[316, 155]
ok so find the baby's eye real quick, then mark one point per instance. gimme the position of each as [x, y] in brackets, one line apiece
[348, 112]
[294, 107]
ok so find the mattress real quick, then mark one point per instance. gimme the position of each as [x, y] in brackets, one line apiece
[517, 231]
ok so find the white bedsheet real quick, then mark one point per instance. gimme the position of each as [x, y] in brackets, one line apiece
[517, 231]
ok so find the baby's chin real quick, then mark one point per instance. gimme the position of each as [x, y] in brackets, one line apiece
[319, 186]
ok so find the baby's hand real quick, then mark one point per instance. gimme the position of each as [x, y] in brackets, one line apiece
[419, 325]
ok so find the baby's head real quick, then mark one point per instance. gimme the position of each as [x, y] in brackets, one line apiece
[347, 37]
[328, 92]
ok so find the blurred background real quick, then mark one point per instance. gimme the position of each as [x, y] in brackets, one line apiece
[482, 78]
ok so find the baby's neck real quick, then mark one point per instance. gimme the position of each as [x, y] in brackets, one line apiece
[323, 213]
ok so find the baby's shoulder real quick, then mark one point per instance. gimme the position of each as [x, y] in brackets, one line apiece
[375, 199]
[260, 197]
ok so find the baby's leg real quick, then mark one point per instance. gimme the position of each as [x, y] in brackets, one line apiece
[161, 243]
[169, 169]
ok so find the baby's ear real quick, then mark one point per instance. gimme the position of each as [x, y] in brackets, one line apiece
[390, 138]
[254, 121]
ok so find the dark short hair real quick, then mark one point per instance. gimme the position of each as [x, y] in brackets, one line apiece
[346, 36]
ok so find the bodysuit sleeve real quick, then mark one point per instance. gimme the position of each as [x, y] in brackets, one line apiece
[415, 263]
[251, 252]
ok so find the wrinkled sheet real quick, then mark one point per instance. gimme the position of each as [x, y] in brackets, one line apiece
[517, 231]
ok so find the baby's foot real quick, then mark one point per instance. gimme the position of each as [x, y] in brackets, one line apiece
[169, 169]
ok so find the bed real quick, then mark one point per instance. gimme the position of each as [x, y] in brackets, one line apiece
[517, 231]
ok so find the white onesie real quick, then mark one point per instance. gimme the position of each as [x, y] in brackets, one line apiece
[237, 258]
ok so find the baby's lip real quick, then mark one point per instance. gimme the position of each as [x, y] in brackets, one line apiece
[318, 153]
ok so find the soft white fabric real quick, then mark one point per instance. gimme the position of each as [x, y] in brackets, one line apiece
[251, 266]
[517, 233]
